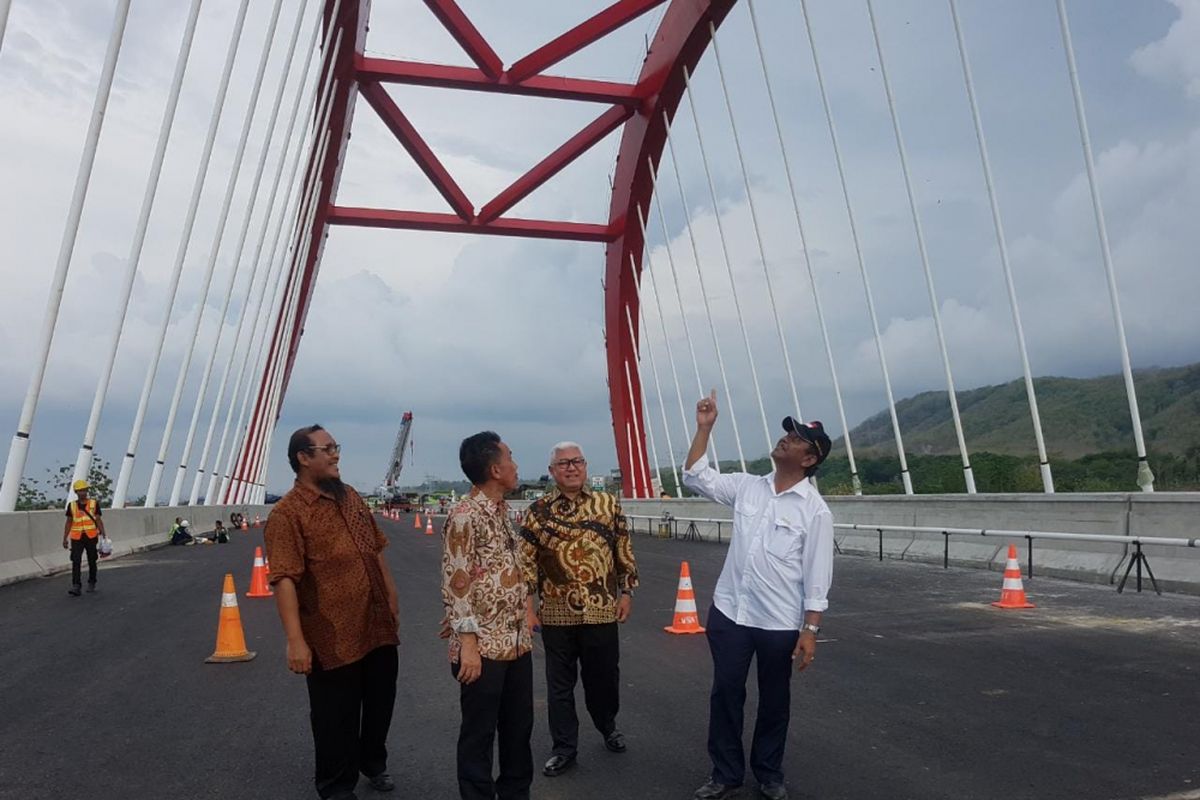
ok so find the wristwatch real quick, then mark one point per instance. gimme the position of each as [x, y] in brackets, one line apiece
[627, 591]
[813, 629]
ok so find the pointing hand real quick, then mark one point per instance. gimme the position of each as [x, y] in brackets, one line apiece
[706, 410]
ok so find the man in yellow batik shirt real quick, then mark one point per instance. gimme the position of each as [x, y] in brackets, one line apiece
[580, 562]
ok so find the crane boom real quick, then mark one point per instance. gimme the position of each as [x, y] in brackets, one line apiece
[397, 461]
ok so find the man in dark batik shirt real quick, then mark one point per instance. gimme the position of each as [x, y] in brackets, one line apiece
[580, 562]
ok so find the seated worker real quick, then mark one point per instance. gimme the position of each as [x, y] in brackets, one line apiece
[180, 533]
[221, 533]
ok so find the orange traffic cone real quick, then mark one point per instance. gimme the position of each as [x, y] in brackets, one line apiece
[245, 525]
[1012, 594]
[257, 521]
[231, 641]
[686, 619]
[417, 521]
[429, 525]
[258, 577]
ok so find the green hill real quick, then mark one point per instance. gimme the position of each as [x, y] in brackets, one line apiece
[1079, 417]
[1089, 438]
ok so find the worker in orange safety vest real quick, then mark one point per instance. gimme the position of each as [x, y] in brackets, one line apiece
[84, 529]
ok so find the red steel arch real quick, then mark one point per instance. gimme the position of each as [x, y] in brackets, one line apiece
[678, 44]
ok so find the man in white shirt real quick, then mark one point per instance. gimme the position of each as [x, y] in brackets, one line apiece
[769, 598]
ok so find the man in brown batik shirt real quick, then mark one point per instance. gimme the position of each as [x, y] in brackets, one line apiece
[339, 609]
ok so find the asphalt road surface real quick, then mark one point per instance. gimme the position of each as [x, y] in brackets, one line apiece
[920, 689]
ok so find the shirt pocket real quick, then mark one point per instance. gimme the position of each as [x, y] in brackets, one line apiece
[786, 540]
[745, 515]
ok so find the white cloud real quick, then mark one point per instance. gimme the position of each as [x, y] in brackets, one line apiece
[472, 333]
[1176, 56]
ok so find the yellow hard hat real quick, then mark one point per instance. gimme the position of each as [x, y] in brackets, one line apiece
[78, 485]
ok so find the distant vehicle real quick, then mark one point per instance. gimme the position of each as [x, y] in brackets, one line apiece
[406, 502]
[392, 474]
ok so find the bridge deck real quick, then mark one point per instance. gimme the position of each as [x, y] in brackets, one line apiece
[921, 690]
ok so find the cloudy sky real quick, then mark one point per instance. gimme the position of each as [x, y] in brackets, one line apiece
[472, 333]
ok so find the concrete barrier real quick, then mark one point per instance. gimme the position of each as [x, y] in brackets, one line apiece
[31, 541]
[1162, 514]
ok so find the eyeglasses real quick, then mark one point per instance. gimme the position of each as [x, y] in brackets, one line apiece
[567, 463]
[331, 449]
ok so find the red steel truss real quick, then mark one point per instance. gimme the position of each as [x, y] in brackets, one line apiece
[639, 107]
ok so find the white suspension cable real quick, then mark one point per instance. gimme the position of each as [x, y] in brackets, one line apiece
[1145, 478]
[637, 435]
[122, 486]
[787, 171]
[317, 100]
[249, 435]
[737, 436]
[862, 266]
[637, 289]
[256, 435]
[251, 206]
[656, 473]
[222, 219]
[663, 322]
[14, 467]
[83, 462]
[264, 365]
[662, 408]
[737, 305]
[1043, 461]
[968, 474]
[687, 332]
[294, 116]
[762, 252]
[4, 7]
[271, 409]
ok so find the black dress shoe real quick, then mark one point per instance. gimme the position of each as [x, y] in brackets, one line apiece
[91, 588]
[615, 742]
[773, 791]
[75, 590]
[714, 791]
[557, 765]
[381, 782]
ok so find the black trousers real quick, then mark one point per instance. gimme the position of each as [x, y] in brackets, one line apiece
[732, 647]
[500, 701]
[595, 650]
[351, 710]
[78, 546]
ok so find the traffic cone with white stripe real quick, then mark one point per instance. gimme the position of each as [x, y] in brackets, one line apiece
[1012, 594]
[258, 577]
[429, 524]
[417, 521]
[231, 641]
[687, 620]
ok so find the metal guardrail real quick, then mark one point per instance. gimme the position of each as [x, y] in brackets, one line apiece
[1138, 560]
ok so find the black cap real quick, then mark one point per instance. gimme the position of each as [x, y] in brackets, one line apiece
[811, 432]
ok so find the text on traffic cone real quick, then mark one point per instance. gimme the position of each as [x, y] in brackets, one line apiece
[687, 620]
